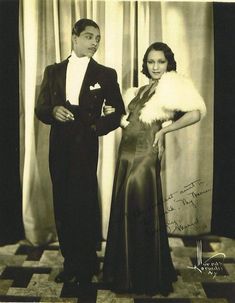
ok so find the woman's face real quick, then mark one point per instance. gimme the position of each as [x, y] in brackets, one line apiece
[156, 64]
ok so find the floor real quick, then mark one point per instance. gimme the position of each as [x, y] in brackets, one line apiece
[206, 268]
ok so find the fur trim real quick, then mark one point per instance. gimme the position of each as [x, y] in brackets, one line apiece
[174, 92]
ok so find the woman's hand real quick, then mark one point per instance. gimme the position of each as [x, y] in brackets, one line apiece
[62, 114]
[159, 143]
[108, 109]
[124, 122]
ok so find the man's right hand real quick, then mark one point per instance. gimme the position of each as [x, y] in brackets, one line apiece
[62, 114]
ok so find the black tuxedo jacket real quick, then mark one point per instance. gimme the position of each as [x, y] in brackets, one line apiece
[52, 93]
[74, 149]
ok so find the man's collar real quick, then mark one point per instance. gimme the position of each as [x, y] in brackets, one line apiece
[80, 60]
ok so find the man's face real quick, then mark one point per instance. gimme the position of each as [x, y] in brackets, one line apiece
[87, 43]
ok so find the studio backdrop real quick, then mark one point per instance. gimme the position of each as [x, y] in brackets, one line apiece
[127, 29]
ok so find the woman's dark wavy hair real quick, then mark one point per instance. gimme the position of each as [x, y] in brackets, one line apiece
[81, 24]
[159, 46]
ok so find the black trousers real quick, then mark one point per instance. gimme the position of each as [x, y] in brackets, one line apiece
[73, 164]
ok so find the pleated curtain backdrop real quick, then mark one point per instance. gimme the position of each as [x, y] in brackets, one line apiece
[127, 29]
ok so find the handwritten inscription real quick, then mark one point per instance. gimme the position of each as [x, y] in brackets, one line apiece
[155, 216]
[193, 190]
[176, 226]
[188, 196]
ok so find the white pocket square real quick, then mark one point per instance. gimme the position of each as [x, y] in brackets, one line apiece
[96, 86]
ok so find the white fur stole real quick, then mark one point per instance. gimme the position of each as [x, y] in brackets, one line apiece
[174, 92]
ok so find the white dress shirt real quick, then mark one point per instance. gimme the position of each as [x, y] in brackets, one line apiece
[76, 70]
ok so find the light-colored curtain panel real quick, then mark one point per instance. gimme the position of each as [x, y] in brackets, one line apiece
[127, 29]
[187, 28]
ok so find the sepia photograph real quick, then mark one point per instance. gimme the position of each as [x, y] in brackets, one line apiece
[117, 151]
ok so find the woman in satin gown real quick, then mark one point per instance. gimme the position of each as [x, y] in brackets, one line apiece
[137, 257]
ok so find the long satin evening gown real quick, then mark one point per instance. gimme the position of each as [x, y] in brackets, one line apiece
[137, 256]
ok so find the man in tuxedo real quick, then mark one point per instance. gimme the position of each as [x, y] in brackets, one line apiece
[70, 100]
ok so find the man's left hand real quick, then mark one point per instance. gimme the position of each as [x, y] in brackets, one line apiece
[108, 109]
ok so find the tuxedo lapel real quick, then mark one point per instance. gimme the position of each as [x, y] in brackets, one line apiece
[90, 77]
[61, 78]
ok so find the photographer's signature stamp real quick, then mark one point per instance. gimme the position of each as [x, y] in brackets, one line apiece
[211, 266]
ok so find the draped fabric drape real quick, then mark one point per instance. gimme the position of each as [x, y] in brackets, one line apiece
[127, 29]
[223, 212]
[11, 226]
